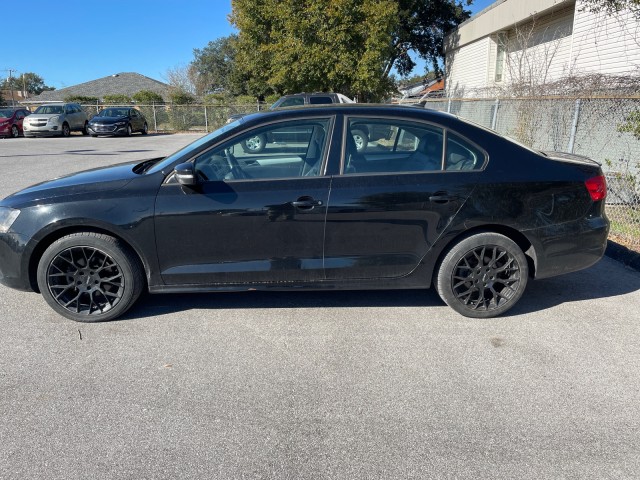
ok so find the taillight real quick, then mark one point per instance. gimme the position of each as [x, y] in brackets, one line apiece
[597, 187]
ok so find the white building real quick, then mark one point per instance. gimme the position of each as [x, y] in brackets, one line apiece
[535, 42]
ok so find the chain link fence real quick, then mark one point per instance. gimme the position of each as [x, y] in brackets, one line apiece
[604, 129]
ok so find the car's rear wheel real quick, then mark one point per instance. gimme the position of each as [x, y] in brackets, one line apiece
[255, 144]
[66, 131]
[85, 130]
[483, 275]
[145, 128]
[90, 277]
[360, 139]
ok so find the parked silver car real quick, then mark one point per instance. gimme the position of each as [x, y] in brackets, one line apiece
[56, 119]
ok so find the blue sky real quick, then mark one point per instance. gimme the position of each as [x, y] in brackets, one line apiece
[71, 42]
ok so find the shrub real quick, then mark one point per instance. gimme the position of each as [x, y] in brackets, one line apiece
[147, 97]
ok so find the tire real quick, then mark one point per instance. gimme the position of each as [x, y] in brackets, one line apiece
[66, 131]
[145, 129]
[90, 277]
[128, 134]
[15, 133]
[84, 129]
[254, 144]
[94, 135]
[483, 275]
[361, 140]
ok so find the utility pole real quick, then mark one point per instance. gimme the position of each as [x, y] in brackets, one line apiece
[13, 100]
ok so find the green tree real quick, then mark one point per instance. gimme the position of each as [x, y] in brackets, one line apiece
[214, 67]
[611, 7]
[117, 99]
[147, 97]
[350, 46]
[180, 97]
[33, 83]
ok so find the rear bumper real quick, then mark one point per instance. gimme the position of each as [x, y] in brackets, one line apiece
[569, 247]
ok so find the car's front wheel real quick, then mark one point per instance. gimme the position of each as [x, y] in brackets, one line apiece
[483, 275]
[128, 133]
[66, 131]
[85, 128]
[145, 129]
[90, 277]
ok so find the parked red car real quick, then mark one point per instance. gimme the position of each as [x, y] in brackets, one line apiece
[11, 121]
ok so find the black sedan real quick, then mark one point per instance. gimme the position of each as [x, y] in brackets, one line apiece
[118, 121]
[436, 202]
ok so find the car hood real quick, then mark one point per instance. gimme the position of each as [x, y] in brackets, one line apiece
[107, 119]
[86, 182]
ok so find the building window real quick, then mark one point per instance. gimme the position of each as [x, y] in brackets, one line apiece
[501, 42]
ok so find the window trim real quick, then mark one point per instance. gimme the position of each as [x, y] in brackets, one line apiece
[325, 155]
[446, 130]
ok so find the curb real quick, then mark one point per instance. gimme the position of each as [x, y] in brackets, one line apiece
[623, 255]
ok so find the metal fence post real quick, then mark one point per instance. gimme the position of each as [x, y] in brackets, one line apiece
[155, 120]
[494, 114]
[206, 120]
[574, 126]
[449, 105]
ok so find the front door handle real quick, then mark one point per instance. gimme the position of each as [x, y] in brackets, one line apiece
[306, 203]
[442, 197]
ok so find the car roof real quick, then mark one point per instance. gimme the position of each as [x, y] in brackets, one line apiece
[351, 109]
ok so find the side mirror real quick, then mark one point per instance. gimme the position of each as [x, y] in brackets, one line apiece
[186, 175]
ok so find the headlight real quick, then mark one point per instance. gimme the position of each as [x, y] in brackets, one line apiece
[7, 217]
[55, 119]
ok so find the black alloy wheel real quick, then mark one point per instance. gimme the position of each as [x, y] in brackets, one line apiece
[483, 276]
[89, 277]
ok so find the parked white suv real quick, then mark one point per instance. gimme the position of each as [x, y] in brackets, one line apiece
[56, 119]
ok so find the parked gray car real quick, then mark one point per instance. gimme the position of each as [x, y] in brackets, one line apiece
[56, 119]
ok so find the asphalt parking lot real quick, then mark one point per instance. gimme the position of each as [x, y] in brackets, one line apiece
[340, 385]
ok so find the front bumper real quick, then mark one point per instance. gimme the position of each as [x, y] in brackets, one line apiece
[14, 266]
[42, 130]
[107, 129]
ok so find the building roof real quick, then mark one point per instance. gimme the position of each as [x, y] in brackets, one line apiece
[127, 83]
[500, 15]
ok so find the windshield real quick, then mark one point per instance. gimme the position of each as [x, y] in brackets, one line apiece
[49, 109]
[184, 152]
[114, 112]
[6, 113]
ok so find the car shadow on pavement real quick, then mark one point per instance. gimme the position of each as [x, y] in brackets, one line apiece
[606, 279]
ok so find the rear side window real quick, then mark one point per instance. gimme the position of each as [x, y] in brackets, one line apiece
[292, 102]
[462, 155]
[376, 145]
[320, 100]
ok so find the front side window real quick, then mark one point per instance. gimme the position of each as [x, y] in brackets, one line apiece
[290, 102]
[376, 145]
[282, 150]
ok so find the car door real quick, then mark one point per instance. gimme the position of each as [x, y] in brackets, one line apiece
[392, 202]
[253, 218]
